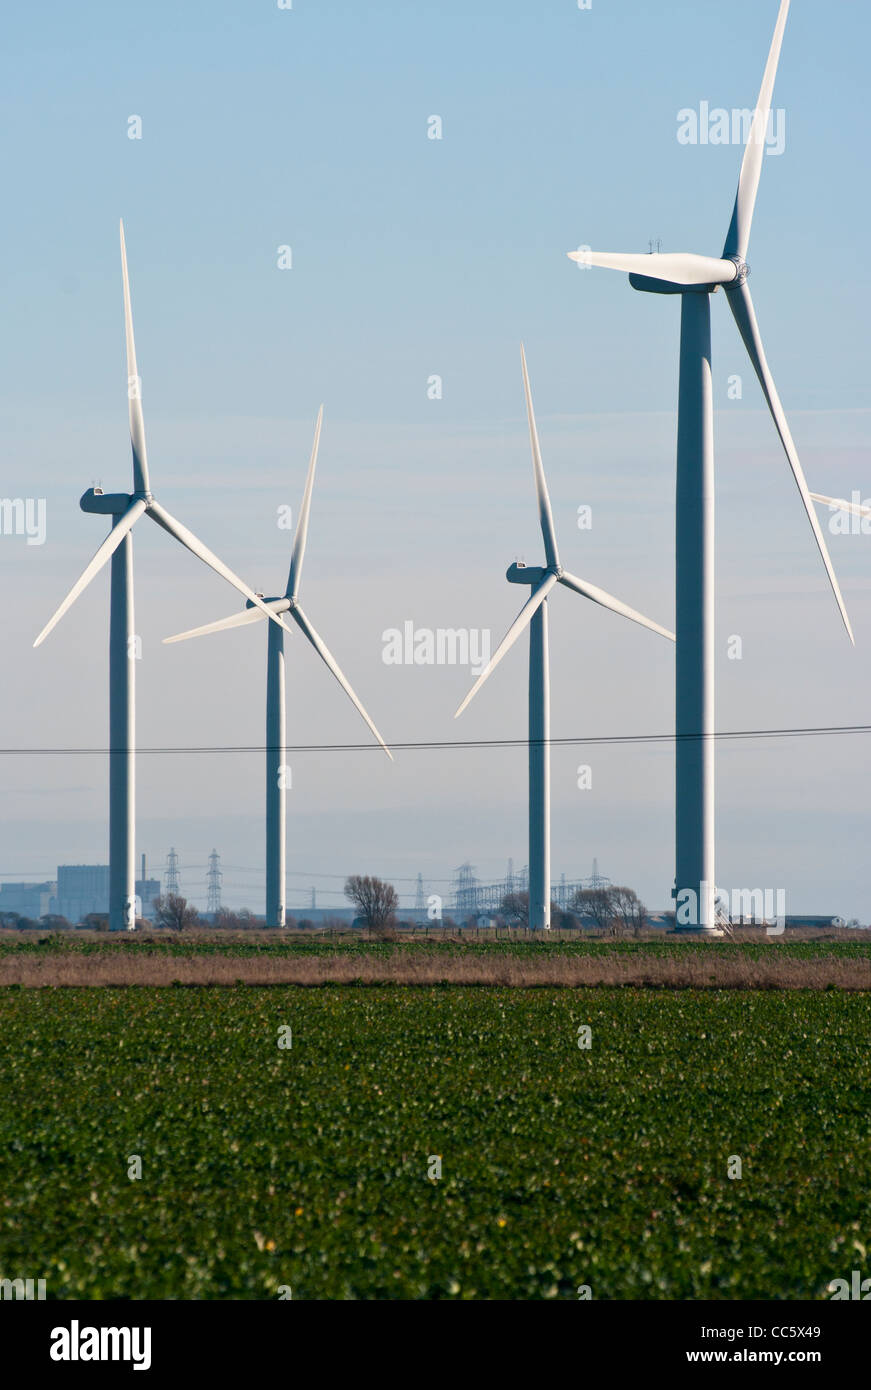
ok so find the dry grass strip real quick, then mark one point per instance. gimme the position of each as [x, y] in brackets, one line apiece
[696, 971]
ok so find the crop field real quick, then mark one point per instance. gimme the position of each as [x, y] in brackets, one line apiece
[841, 945]
[275, 959]
[311, 1167]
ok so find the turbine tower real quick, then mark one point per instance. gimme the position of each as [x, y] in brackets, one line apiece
[125, 509]
[276, 739]
[533, 615]
[695, 279]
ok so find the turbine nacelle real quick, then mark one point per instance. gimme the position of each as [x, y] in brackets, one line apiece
[518, 573]
[279, 604]
[106, 503]
[649, 284]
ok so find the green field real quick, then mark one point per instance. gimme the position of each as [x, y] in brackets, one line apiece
[308, 1167]
[842, 946]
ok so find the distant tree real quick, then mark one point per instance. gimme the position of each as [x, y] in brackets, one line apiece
[562, 920]
[630, 914]
[514, 907]
[514, 911]
[375, 901]
[614, 910]
[174, 912]
[96, 921]
[242, 920]
[594, 905]
[54, 922]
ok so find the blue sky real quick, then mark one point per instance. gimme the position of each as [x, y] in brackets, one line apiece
[414, 257]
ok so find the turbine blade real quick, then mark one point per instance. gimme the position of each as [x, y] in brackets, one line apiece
[521, 622]
[248, 615]
[680, 267]
[330, 662]
[544, 511]
[134, 387]
[196, 547]
[103, 555]
[298, 551]
[738, 239]
[842, 505]
[741, 304]
[580, 586]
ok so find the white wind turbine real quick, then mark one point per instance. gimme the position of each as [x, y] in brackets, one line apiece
[125, 509]
[276, 770]
[533, 615]
[695, 279]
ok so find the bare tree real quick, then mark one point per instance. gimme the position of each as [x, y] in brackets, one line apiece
[514, 907]
[375, 901]
[174, 912]
[243, 920]
[594, 905]
[630, 914]
[614, 910]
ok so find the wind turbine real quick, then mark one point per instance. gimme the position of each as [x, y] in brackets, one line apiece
[275, 692]
[125, 509]
[695, 279]
[533, 615]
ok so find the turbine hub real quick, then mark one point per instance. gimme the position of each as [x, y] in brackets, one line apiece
[742, 268]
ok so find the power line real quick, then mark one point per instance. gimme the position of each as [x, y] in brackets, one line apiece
[812, 731]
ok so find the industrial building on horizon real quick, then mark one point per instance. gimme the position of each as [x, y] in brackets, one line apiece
[79, 891]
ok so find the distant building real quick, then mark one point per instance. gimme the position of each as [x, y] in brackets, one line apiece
[27, 899]
[82, 888]
[147, 889]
